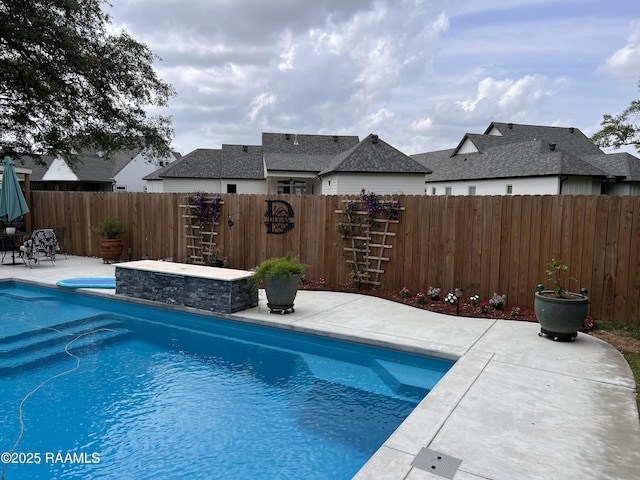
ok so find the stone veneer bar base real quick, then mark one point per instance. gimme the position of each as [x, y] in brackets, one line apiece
[215, 289]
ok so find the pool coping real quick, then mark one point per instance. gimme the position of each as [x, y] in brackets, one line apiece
[514, 405]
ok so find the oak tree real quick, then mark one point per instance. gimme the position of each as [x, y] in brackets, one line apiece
[620, 130]
[68, 83]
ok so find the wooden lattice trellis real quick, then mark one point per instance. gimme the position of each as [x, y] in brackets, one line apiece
[200, 235]
[366, 236]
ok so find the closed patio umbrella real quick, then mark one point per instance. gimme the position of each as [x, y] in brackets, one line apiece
[13, 206]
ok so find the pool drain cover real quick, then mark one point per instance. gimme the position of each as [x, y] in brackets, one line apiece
[436, 462]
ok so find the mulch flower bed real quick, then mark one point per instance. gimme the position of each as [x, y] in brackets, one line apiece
[439, 306]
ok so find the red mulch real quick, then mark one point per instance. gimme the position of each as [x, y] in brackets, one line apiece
[440, 306]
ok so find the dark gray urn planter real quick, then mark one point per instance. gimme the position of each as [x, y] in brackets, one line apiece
[281, 292]
[560, 318]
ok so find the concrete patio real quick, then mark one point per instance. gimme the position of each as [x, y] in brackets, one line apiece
[514, 406]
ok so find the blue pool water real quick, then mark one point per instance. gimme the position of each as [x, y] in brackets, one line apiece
[152, 393]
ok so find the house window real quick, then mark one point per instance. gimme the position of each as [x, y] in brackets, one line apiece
[447, 190]
[296, 187]
[472, 189]
[232, 188]
[433, 190]
[509, 189]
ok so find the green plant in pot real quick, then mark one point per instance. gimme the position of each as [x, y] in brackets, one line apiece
[280, 277]
[111, 244]
[561, 313]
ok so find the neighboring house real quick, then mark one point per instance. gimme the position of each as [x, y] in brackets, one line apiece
[376, 166]
[529, 160]
[123, 171]
[231, 169]
[296, 164]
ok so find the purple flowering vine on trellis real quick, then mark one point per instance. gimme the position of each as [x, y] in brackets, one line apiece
[374, 205]
[355, 231]
[208, 209]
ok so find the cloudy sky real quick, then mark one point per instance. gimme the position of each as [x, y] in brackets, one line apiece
[419, 73]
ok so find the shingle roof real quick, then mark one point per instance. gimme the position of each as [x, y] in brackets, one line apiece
[230, 161]
[518, 151]
[622, 165]
[89, 167]
[569, 139]
[301, 152]
[372, 155]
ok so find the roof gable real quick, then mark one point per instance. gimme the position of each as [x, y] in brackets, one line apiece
[303, 153]
[372, 155]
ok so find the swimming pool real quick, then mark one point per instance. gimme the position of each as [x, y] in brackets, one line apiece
[155, 393]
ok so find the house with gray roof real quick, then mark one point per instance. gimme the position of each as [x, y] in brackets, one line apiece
[376, 166]
[529, 160]
[296, 164]
[121, 171]
[230, 169]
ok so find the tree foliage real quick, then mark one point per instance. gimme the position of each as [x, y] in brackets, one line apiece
[67, 84]
[619, 130]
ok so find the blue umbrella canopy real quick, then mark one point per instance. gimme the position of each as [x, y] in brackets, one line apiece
[12, 203]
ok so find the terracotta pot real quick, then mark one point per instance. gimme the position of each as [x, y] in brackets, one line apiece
[111, 249]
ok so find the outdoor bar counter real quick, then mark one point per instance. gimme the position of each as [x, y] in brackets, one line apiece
[223, 290]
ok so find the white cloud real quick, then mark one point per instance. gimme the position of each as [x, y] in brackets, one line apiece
[506, 98]
[259, 103]
[422, 125]
[624, 63]
[420, 73]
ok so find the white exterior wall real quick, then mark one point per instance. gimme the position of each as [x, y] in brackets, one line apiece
[382, 184]
[130, 178]
[520, 186]
[580, 186]
[246, 186]
[59, 171]
[155, 186]
[180, 185]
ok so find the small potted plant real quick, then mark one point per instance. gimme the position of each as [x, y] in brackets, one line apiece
[218, 257]
[111, 245]
[560, 313]
[280, 277]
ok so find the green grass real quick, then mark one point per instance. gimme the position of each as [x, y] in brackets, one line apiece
[633, 358]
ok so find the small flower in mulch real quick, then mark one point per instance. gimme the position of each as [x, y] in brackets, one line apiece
[498, 301]
[420, 298]
[405, 293]
[451, 298]
[322, 282]
[434, 293]
[516, 312]
[483, 307]
[475, 300]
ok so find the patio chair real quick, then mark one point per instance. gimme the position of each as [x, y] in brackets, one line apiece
[42, 243]
[61, 233]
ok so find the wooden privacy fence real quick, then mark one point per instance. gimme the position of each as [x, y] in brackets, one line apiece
[483, 244]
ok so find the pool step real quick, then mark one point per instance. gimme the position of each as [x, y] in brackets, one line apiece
[347, 374]
[29, 348]
[407, 380]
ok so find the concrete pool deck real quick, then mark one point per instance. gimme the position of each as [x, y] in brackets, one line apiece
[514, 406]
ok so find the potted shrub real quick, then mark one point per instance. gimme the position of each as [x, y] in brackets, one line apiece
[111, 245]
[280, 277]
[560, 313]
